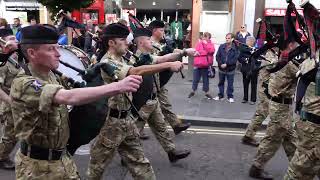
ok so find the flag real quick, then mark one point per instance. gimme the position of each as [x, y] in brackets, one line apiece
[134, 22]
[312, 18]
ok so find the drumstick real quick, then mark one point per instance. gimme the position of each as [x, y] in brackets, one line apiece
[80, 71]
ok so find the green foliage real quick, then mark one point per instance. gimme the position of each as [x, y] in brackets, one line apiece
[67, 5]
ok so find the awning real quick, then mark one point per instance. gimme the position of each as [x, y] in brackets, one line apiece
[22, 5]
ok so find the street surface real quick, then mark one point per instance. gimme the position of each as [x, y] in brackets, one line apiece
[217, 154]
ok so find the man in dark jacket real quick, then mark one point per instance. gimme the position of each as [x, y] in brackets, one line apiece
[227, 56]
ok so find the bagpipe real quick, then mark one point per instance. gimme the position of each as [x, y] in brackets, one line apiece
[166, 75]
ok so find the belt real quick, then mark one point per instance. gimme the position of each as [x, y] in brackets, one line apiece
[119, 114]
[281, 100]
[306, 116]
[36, 152]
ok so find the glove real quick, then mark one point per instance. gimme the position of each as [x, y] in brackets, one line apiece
[144, 59]
[109, 69]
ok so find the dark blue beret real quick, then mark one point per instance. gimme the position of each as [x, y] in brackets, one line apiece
[5, 32]
[39, 34]
[156, 24]
[142, 32]
[115, 30]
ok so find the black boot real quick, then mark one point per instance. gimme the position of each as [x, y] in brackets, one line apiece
[257, 173]
[175, 155]
[143, 136]
[7, 164]
[181, 127]
[249, 141]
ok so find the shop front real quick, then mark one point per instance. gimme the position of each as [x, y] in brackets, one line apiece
[95, 12]
[275, 11]
[25, 10]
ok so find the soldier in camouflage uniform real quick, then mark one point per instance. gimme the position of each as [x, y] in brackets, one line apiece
[7, 74]
[39, 107]
[151, 111]
[262, 110]
[280, 130]
[305, 163]
[157, 28]
[119, 131]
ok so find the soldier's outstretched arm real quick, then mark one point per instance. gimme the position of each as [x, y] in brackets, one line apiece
[81, 96]
[175, 55]
[155, 68]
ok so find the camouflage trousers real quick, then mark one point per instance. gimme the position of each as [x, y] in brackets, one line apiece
[280, 131]
[151, 113]
[262, 112]
[166, 108]
[121, 135]
[33, 169]
[8, 139]
[305, 164]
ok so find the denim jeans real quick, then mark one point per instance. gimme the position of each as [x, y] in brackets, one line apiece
[230, 78]
[197, 74]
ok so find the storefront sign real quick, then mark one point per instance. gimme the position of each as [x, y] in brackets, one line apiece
[279, 12]
[111, 18]
[22, 6]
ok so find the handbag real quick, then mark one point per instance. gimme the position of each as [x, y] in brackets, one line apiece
[211, 70]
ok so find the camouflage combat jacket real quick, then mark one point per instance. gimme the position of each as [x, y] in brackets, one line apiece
[7, 73]
[283, 82]
[37, 120]
[118, 102]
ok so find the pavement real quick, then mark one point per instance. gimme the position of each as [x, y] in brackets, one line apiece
[217, 154]
[200, 111]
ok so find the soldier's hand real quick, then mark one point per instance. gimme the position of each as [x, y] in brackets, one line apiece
[176, 66]
[191, 52]
[10, 46]
[130, 83]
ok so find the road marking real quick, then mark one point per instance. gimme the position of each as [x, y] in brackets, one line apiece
[225, 134]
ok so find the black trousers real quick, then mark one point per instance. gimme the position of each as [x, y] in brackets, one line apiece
[253, 80]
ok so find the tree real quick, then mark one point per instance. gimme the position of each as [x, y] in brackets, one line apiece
[55, 6]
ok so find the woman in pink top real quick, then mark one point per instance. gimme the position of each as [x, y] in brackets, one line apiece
[205, 47]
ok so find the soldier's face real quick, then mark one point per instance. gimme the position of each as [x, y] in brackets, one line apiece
[158, 33]
[120, 46]
[46, 56]
[146, 43]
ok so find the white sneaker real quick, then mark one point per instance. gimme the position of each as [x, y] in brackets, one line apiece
[231, 100]
[217, 98]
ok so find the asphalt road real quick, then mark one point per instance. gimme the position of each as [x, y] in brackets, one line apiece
[217, 154]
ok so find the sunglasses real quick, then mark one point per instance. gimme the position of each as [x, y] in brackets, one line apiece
[242, 27]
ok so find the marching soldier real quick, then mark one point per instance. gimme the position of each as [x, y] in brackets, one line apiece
[157, 28]
[280, 130]
[7, 74]
[120, 131]
[151, 111]
[262, 110]
[305, 163]
[39, 107]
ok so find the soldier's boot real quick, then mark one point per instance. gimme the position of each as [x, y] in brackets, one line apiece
[7, 164]
[249, 141]
[257, 173]
[143, 136]
[175, 155]
[181, 127]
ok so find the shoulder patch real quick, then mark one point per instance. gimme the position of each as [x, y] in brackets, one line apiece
[36, 85]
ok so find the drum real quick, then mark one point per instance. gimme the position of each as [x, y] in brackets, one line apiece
[75, 57]
[86, 120]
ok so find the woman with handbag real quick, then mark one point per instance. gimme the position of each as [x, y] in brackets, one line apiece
[203, 65]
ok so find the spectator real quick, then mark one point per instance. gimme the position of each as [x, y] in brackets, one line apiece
[3, 23]
[227, 56]
[16, 26]
[33, 21]
[206, 50]
[242, 34]
[248, 75]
